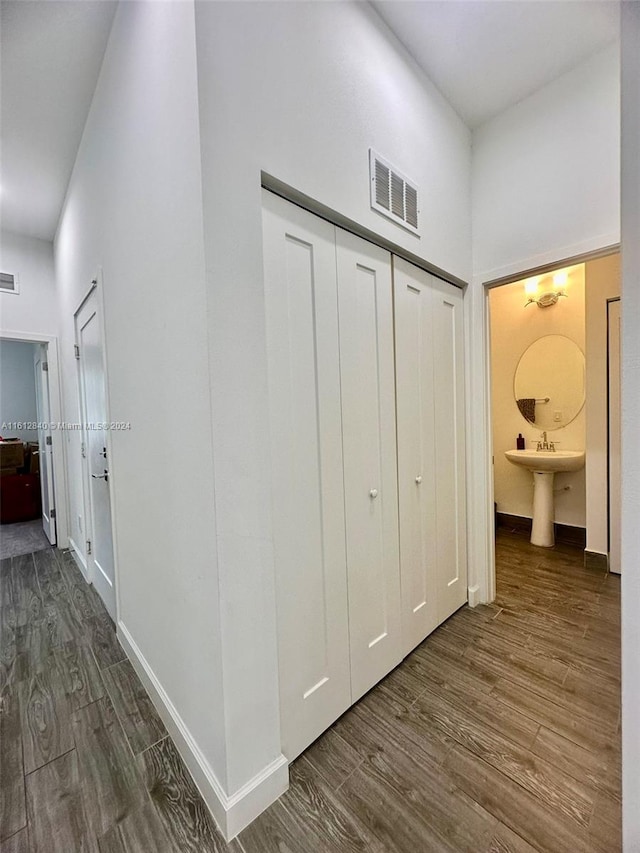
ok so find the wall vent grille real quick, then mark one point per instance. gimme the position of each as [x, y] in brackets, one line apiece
[392, 194]
[8, 282]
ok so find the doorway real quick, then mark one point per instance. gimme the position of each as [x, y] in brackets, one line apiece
[595, 526]
[95, 447]
[32, 484]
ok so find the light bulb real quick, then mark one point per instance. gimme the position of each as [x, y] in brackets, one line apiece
[560, 279]
[531, 286]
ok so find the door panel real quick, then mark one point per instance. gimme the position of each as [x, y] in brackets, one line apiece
[306, 438]
[413, 301]
[450, 447]
[94, 415]
[45, 454]
[369, 446]
[614, 436]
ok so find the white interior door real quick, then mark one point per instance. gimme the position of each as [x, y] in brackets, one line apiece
[448, 397]
[45, 447]
[369, 447]
[306, 445]
[614, 435]
[413, 303]
[95, 415]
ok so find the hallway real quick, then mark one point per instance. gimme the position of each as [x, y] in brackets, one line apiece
[499, 733]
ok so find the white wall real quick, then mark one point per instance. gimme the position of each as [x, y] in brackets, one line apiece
[134, 208]
[17, 389]
[602, 278]
[545, 188]
[513, 329]
[34, 309]
[630, 421]
[546, 172]
[301, 91]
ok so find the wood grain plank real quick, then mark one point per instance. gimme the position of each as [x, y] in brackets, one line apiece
[333, 758]
[104, 643]
[78, 589]
[13, 662]
[602, 771]
[79, 674]
[505, 840]
[406, 809]
[13, 814]
[140, 721]
[111, 785]
[23, 590]
[523, 812]
[586, 732]
[558, 790]
[185, 817]
[308, 817]
[494, 713]
[140, 832]
[606, 824]
[57, 819]
[18, 843]
[44, 714]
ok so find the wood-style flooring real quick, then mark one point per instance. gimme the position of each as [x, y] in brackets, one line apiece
[501, 732]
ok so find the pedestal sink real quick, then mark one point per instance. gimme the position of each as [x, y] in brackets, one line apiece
[543, 464]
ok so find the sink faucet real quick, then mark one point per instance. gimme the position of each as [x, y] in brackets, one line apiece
[543, 444]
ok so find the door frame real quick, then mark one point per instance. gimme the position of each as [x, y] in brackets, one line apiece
[60, 490]
[96, 284]
[480, 445]
[609, 302]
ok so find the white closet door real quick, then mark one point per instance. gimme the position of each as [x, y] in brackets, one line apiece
[306, 440]
[448, 400]
[413, 300]
[369, 446]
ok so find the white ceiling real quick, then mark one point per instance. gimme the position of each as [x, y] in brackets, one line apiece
[487, 56]
[50, 57]
[483, 56]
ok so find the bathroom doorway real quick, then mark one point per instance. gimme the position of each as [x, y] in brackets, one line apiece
[551, 395]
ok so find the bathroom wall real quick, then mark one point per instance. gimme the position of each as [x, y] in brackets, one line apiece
[602, 282]
[513, 329]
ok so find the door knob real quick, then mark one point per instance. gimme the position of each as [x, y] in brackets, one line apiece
[104, 476]
[373, 493]
[419, 479]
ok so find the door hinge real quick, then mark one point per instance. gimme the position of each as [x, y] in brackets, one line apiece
[45, 365]
[48, 440]
[76, 350]
[88, 546]
[52, 513]
[83, 450]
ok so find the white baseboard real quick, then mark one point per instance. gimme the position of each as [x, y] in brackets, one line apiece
[77, 555]
[474, 595]
[232, 813]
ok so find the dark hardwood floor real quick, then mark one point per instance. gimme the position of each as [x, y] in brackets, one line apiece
[501, 732]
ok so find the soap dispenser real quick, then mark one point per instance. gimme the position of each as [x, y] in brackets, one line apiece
[520, 442]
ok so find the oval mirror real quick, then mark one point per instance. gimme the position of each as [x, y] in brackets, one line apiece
[549, 382]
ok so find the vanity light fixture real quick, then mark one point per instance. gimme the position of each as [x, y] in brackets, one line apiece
[549, 297]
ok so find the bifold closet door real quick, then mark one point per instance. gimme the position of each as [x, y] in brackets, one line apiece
[306, 435]
[448, 392]
[413, 302]
[369, 446]
[431, 449]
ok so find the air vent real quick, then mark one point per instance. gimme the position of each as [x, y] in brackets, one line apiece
[8, 282]
[393, 195]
